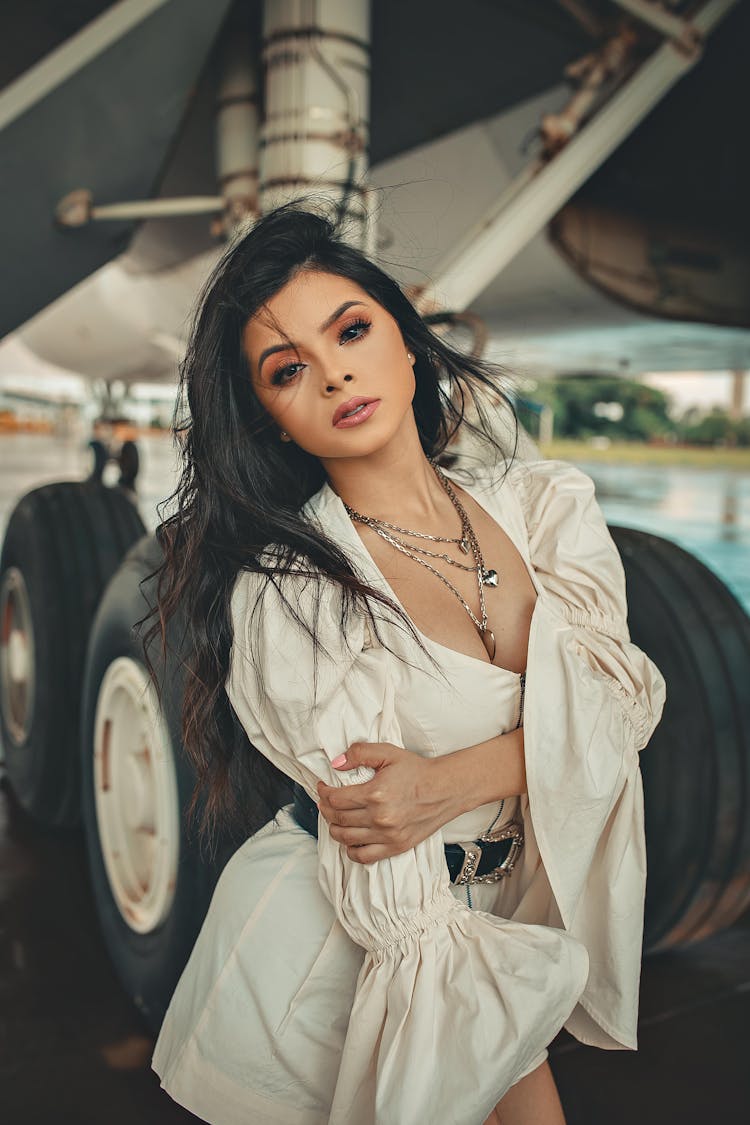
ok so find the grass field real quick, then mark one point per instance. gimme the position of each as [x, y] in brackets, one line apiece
[636, 453]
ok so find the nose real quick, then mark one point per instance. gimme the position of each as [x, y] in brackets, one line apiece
[335, 382]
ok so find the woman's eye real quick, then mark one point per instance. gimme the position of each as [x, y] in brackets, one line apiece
[358, 327]
[285, 375]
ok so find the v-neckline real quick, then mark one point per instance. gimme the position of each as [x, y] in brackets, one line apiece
[355, 538]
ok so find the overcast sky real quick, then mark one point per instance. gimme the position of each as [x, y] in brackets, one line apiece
[696, 388]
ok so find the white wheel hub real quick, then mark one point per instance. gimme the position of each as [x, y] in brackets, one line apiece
[137, 801]
[17, 680]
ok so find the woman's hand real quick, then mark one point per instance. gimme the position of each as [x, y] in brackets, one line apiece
[404, 803]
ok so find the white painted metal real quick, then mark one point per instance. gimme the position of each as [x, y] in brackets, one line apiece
[17, 681]
[75, 53]
[159, 208]
[711, 14]
[141, 209]
[659, 18]
[118, 324]
[237, 129]
[513, 220]
[136, 796]
[315, 130]
[123, 324]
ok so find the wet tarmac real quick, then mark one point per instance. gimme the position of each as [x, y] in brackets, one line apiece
[74, 1050]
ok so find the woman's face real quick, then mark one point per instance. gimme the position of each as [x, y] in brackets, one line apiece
[330, 366]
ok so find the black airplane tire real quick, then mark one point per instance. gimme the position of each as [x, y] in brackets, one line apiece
[696, 768]
[63, 543]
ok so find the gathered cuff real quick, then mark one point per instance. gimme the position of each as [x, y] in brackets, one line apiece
[461, 985]
[400, 931]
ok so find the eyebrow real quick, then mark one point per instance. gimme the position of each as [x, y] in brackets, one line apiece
[323, 328]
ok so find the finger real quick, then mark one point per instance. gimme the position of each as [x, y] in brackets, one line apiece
[343, 798]
[369, 853]
[358, 818]
[375, 754]
[353, 837]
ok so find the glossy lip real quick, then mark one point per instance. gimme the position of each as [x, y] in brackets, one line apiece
[344, 407]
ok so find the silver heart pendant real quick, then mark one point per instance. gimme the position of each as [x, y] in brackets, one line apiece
[489, 577]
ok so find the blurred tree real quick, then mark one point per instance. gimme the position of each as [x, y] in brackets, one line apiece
[606, 406]
[714, 428]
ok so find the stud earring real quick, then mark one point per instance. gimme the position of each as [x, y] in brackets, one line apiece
[284, 436]
[410, 357]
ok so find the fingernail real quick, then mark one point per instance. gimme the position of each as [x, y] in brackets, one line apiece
[339, 761]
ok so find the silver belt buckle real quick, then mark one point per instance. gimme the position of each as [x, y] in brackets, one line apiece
[473, 854]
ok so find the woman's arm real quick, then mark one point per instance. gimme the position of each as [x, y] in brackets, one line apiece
[411, 797]
[487, 772]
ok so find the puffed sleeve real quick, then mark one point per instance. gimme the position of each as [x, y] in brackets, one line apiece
[452, 1005]
[593, 699]
[580, 568]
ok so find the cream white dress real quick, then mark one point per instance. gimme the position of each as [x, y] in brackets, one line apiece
[321, 990]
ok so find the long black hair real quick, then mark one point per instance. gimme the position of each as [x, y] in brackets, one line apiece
[241, 491]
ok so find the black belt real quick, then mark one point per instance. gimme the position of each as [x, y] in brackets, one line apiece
[485, 860]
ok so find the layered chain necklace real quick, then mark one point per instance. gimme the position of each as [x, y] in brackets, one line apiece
[467, 543]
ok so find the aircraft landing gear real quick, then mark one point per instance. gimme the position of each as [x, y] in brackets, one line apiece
[129, 462]
[127, 457]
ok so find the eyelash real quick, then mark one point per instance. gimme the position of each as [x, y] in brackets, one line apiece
[278, 380]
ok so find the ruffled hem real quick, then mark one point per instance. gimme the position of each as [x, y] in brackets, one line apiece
[485, 994]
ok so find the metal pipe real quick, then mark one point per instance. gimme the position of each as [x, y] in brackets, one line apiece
[597, 70]
[314, 137]
[518, 216]
[159, 208]
[237, 130]
[77, 208]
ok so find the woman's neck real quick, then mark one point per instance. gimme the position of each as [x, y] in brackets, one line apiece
[397, 483]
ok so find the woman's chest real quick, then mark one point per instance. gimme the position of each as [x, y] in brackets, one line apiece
[455, 703]
[438, 586]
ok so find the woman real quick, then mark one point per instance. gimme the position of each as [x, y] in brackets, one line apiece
[436, 657]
